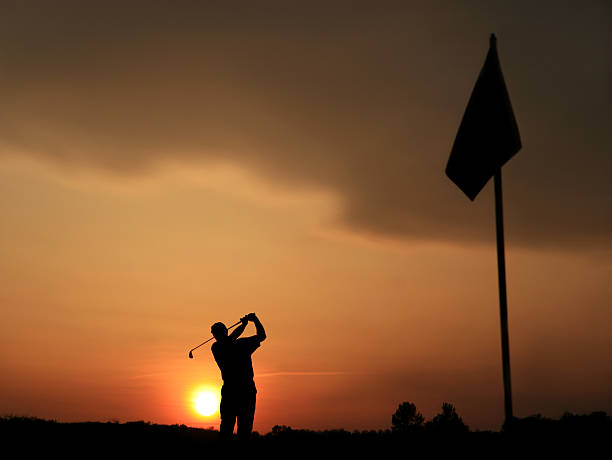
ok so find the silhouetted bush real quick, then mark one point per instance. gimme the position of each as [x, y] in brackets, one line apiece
[447, 422]
[278, 430]
[595, 424]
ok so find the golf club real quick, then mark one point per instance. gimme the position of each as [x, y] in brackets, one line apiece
[206, 341]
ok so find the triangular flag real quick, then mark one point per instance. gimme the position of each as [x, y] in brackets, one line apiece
[488, 135]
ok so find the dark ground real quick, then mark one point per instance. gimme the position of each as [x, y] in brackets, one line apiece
[578, 436]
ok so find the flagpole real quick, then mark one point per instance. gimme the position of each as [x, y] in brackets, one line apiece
[487, 138]
[503, 301]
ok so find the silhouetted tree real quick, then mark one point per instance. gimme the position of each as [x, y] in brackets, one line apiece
[406, 419]
[447, 422]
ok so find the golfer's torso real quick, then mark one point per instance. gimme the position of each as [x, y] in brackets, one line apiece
[234, 361]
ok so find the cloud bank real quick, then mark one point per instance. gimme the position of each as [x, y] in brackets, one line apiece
[363, 99]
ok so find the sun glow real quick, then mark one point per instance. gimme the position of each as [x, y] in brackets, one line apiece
[206, 403]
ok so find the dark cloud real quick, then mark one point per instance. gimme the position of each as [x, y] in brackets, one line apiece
[361, 98]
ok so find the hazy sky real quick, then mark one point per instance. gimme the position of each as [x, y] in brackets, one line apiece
[166, 165]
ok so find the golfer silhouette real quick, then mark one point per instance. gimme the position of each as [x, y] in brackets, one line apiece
[238, 393]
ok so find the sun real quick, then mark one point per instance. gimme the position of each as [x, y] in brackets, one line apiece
[206, 403]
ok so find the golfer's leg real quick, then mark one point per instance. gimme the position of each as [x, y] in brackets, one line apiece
[246, 416]
[226, 428]
[227, 410]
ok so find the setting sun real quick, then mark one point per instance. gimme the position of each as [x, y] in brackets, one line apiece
[206, 403]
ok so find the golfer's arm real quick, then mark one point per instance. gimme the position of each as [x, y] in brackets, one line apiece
[238, 331]
[261, 333]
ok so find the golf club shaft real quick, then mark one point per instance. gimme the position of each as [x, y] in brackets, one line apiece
[206, 341]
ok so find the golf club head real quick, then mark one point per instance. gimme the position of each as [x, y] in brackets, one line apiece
[190, 354]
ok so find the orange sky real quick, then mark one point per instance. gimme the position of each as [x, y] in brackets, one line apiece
[107, 285]
[142, 202]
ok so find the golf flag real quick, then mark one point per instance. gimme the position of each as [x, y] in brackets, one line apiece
[488, 135]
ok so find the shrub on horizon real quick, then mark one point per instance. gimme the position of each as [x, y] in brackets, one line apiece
[447, 422]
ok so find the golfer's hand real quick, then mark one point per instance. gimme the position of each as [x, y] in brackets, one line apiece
[245, 319]
[251, 317]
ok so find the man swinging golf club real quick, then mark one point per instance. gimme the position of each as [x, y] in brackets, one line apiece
[233, 356]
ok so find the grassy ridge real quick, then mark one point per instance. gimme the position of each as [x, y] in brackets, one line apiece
[580, 434]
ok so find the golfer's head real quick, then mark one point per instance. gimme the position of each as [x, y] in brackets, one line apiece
[219, 331]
